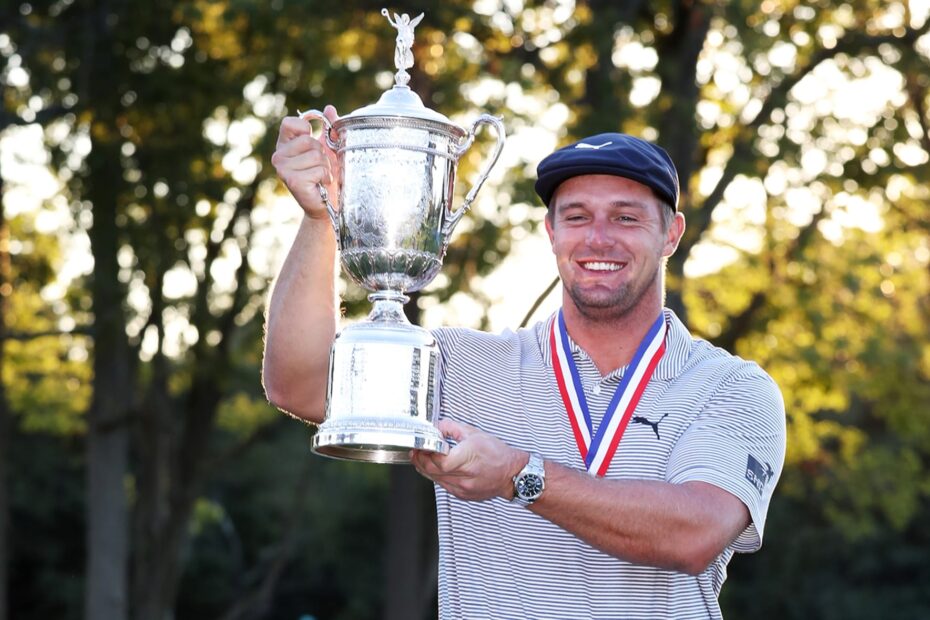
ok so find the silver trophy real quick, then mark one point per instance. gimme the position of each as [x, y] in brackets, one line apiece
[394, 221]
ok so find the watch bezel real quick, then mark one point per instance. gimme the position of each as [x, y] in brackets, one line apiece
[534, 471]
[527, 481]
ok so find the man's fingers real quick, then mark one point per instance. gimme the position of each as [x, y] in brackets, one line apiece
[426, 462]
[292, 127]
[299, 145]
[455, 430]
[301, 164]
[306, 164]
[299, 159]
[456, 459]
[436, 465]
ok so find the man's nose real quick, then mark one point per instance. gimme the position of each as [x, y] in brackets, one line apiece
[599, 235]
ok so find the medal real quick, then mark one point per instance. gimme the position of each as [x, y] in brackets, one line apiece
[597, 448]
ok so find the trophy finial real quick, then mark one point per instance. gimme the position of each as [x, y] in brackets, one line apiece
[403, 56]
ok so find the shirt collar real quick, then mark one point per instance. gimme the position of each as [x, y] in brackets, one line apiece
[677, 343]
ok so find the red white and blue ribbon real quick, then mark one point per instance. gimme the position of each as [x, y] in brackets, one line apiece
[597, 448]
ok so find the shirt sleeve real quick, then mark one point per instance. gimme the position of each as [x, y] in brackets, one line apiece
[737, 443]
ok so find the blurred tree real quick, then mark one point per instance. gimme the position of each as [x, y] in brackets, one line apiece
[6, 287]
[164, 112]
[42, 366]
[801, 134]
[19, 289]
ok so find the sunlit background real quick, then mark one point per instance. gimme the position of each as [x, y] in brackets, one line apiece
[803, 136]
[852, 99]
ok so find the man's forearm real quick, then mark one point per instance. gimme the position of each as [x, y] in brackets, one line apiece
[301, 323]
[681, 527]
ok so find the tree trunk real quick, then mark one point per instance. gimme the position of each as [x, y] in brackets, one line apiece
[5, 423]
[411, 547]
[107, 428]
[159, 571]
[107, 535]
[678, 57]
[4, 495]
[152, 510]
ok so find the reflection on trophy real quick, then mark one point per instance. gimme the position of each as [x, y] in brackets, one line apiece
[395, 217]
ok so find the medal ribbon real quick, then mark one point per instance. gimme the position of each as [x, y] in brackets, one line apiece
[597, 448]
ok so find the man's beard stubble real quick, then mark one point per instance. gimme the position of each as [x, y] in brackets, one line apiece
[617, 305]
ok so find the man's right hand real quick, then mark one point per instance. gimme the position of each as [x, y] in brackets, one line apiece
[302, 162]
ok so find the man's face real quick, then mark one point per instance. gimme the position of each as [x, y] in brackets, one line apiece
[609, 239]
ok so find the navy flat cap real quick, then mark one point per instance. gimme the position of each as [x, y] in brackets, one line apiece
[610, 153]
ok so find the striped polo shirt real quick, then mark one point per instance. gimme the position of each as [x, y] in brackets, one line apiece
[705, 415]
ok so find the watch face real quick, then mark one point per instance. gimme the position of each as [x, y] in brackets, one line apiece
[529, 486]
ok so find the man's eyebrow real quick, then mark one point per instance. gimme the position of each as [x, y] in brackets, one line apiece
[620, 203]
[636, 204]
[564, 206]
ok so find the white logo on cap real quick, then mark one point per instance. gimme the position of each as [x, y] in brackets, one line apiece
[582, 145]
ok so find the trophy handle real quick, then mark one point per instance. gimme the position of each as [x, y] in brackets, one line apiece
[327, 135]
[453, 217]
[327, 126]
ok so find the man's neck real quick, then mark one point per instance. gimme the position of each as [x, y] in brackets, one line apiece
[610, 344]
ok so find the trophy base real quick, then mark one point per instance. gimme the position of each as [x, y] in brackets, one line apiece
[358, 441]
[382, 394]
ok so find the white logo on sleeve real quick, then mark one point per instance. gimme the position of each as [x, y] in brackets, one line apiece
[757, 474]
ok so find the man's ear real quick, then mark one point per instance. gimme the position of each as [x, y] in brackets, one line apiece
[676, 229]
[549, 231]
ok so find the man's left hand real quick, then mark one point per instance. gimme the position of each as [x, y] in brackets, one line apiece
[479, 466]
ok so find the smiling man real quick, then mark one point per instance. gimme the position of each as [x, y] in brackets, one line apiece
[551, 504]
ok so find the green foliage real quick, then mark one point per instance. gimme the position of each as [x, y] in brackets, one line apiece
[242, 415]
[331, 509]
[45, 374]
[47, 545]
[810, 569]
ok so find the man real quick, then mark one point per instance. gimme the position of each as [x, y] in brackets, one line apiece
[605, 464]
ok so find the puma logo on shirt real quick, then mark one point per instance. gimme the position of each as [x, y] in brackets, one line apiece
[655, 425]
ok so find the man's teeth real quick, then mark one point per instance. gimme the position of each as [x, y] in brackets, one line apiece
[599, 266]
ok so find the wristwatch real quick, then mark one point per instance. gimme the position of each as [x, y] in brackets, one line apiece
[530, 483]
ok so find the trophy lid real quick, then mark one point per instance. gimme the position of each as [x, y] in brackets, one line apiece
[400, 100]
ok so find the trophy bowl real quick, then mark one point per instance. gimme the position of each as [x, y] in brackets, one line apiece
[398, 178]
